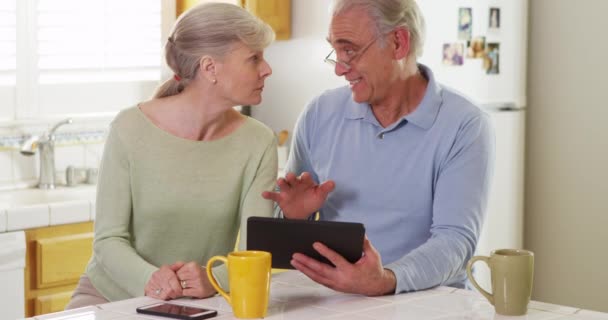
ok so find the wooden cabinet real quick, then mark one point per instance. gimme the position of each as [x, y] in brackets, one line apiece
[277, 13]
[183, 5]
[56, 258]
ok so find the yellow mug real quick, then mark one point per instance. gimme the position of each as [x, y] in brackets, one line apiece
[249, 281]
[512, 273]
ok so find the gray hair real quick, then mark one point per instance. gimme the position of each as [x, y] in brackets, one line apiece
[209, 29]
[390, 14]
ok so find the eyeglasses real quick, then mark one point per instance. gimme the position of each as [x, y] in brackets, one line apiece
[350, 54]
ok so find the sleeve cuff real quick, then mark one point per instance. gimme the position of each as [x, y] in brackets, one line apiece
[139, 287]
[402, 277]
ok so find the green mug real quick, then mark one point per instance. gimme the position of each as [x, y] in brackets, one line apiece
[512, 274]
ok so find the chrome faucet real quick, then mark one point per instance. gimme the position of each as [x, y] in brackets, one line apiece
[46, 144]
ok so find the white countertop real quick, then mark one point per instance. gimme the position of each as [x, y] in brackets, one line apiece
[293, 296]
[29, 208]
[23, 209]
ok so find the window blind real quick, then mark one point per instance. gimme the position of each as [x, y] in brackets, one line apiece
[8, 42]
[8, 58]
[67, 57]
[98, 40]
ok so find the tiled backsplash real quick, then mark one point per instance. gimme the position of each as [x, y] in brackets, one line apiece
[80, 137]
[80, 149]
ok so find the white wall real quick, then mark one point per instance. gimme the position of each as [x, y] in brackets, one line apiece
[299, 72]
[567, 152]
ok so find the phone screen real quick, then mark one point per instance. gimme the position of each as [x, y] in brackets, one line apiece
[177, 311]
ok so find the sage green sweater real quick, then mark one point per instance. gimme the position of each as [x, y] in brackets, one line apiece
[161, 199]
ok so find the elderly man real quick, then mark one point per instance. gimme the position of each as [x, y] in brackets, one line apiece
[394, 150]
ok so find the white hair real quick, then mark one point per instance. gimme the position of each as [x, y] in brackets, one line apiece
[388, 15]
[209, 29]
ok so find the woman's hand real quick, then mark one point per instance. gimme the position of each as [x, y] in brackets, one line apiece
[164, 284]
[193, 280]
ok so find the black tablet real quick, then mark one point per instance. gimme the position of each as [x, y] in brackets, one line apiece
[283, 237]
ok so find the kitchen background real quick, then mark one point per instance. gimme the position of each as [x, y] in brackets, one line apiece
[565, 210]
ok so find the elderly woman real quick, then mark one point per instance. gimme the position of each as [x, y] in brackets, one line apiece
[181, 173]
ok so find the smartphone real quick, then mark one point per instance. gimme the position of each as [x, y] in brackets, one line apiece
[176, 311]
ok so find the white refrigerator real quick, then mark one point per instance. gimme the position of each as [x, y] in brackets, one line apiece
[478, 47]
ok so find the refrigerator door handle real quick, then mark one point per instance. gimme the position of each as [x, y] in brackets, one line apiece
[502, 106]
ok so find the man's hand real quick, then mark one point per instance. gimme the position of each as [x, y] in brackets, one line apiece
[366, 276]
[299, 197]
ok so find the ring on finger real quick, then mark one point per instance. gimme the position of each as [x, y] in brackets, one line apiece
[158, 291]
[184, 284]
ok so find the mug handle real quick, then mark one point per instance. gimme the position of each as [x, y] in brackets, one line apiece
[486, 294]
[213, 280]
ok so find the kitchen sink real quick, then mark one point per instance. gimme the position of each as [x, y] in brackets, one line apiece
[27, 197]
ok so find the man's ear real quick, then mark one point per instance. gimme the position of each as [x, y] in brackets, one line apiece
[401, 42]
[207, 68]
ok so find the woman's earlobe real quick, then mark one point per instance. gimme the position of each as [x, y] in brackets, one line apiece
[207, 68]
